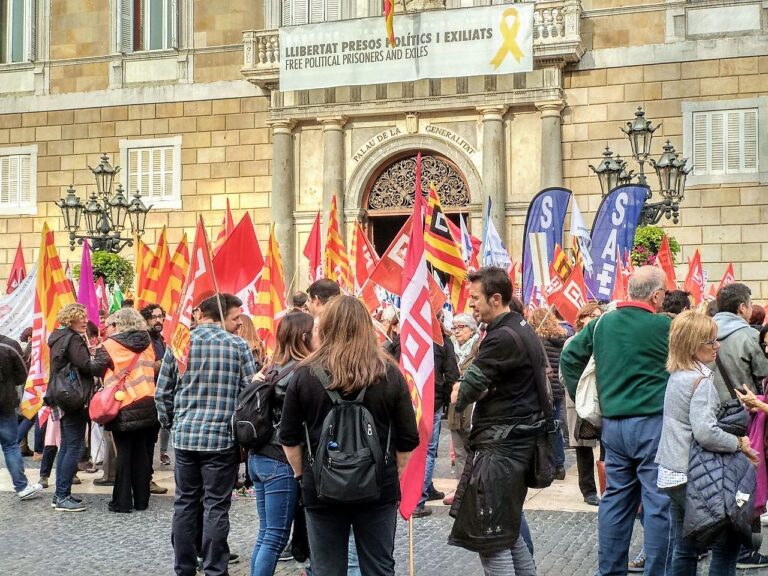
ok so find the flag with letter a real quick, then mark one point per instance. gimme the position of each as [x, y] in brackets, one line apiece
[417, 359]
[18, 271]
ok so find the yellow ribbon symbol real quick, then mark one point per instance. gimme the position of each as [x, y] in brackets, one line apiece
[509, 33]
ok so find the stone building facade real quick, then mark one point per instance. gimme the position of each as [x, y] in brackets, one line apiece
[184, 95]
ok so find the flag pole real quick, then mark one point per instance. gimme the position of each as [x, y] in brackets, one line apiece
[410, 546]
[213, 277]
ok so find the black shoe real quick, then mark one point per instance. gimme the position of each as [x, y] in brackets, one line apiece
[421, 512]
[103, 482]
[592, 500]
[752, 559]
[434, 494]
[560, 474]
[286, 555]
[234, 558]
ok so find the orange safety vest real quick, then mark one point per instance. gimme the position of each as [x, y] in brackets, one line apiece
[140, 382]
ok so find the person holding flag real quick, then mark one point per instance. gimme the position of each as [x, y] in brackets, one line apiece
[506, 381]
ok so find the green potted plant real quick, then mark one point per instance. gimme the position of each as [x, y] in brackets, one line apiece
[647, 243]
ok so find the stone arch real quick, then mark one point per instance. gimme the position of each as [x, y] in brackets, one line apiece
[362, 174]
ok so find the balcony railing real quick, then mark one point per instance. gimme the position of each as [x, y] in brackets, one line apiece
[556, 38]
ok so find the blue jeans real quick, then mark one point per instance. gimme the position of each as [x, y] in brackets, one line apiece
[9, 441]
[559, 406]
[25, 425]
[630, 449]
[525, 533]
[429, 467]
[685, 558]
[72, 445]
[276, 495]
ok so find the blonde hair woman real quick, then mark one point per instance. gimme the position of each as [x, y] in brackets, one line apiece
[352, 359]
[691, 403]
[248, 333]
[130, 359]
[68, 345]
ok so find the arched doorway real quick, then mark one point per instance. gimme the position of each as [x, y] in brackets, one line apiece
[389, 196]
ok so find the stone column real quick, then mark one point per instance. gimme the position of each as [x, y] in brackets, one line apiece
[283, 193]
[333, 167]
[494, 167]
[551, 144]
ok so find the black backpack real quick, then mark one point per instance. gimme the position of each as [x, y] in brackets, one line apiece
[253, 421]
[65, 388]
[348, 465]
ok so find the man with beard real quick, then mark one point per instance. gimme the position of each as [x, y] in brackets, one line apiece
[154, 316]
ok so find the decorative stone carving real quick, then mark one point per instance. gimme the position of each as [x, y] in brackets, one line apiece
[419, 5]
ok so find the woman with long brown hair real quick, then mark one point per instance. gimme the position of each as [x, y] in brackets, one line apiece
[248, 333]
[276, 489]
[348, 361]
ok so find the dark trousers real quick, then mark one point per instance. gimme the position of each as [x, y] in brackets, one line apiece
[374, 528]
[46, 464]
[72, 446]
[585, 464]
[133, 471]
[209, 476]
[151, 440]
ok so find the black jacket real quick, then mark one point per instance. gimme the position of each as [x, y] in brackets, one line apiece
[66, 345]
[13, 373]
[554, 347]
[141, 414]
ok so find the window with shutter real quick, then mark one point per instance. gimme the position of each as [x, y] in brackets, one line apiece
[300, 13]
[17, 30]
[725, 142]
[154, 168]
[332, 10]
[18, 180]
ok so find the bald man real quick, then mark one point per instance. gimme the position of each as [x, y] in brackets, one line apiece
[630, 348]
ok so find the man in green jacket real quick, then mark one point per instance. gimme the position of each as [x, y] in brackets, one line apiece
[630, 348]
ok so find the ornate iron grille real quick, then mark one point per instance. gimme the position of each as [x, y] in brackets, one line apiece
[394, 188]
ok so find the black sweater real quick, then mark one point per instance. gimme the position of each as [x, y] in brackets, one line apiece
[554, 347]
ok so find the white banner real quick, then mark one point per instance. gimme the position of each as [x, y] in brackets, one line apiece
[435, 44]
[17, 308]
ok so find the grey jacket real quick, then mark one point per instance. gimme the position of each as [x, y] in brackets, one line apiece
[690, 415]
[740, 354]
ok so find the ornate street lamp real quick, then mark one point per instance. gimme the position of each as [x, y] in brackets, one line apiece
[670, 169]
[104, 213]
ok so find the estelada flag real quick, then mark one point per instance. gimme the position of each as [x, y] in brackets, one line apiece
[389, 273]
[417, 359]
[365, 260]
[728, 277]
[572, 296]
[199, 285]
[227, 227]
[336, 260]
[52, 293]
[313, 251]
[666, 262]
[694, 280]
[238, 262]
[268, 305]
[18, 271]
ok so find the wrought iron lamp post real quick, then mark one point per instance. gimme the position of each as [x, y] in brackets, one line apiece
[670, 170]
[104, 213]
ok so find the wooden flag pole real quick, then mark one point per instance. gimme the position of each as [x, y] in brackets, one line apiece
[410, 546]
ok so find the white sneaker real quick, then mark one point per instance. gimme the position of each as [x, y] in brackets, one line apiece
[30, 491]
[764, 519]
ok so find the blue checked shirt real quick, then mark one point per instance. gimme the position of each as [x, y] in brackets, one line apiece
[198, 406]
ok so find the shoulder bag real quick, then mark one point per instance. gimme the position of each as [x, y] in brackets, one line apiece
[731, 416]
[587, 399]
[105, 406]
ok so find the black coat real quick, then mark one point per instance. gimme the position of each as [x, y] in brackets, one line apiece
[142, 413]
[554, 347]
[13, 373]
[66, 345]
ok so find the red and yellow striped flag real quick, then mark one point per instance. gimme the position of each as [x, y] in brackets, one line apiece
[336, 261]
[178, 272]
[143, 256]
[389, 18]
[269, 306]
[227, 226]
[158, 274]
[52, 293]
[440, 246]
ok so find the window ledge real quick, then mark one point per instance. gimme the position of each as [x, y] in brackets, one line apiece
[164, 204]
[18, 210]
[17, 66]
[151, 54]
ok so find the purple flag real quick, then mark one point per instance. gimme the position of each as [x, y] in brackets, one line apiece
[86, 293]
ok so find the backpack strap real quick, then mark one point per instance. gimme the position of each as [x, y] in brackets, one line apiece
[726, 378]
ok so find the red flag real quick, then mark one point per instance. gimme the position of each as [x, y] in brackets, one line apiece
[694, 280]
[417, 359]
[101, 294]
[389, 20]
[365, 260]
[728, 277]
[238, 262]
[620, 283]
[313, 251]
[200, 284]
[666, 262]
[573, 296]
[18, 271]
[712, 295]
[158, 274]
[227, 227]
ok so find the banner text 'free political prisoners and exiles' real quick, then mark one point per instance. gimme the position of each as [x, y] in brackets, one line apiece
[435, 44]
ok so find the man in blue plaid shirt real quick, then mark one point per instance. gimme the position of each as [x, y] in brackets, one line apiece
[198, 407]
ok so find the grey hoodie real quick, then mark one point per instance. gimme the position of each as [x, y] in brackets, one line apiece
[740, 354]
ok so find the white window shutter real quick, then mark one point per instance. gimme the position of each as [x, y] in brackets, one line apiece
[173, 24]
[750, 141]
[316, 10]
[700, 143]
[734, 139]
[717, 143]
[300, 12]
[13, 181]
[157, 173]
[30, 30]
[5, 181]
[25, 184]
[125, 26]
[168, 191]
[286, 14]
[332, 10]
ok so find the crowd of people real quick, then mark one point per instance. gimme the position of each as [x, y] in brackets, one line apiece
[680, 393]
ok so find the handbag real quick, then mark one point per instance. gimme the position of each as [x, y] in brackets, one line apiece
[587, 399]
[732, 417]
[105, 405]
[585, 430]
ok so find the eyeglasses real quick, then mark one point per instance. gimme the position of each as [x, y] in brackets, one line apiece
[459, 326]
[157, 316]
[710, 343]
